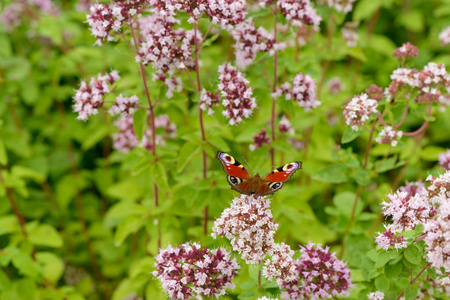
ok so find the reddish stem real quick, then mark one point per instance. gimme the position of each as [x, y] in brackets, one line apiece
[403, 117]
[274, 85]
[15, 208]
[412, 281]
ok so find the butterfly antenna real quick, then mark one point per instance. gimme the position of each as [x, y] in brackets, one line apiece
[248, 164]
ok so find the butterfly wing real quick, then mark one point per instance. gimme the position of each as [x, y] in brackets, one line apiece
[274, 180]
[237, 176]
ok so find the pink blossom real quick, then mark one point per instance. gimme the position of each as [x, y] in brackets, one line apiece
[249, 41]
[375, 296]
[350, 34]
[439, 189]
[11, 15]
[375, 92]
[321, 275]
[444, 36]
[437, 238]
[285, 126]
[358, 111]
[344, 6]
[303, 91]
[413, 188]
[408, 211]
[335, 85]
[281, 266]
[164, 130]
[389, 135]
[227, 13]
[124, 105]
[208, 100]
[407, 50]
[190, 271]
[299, 12]
[249, 226]
[236, 95]
[444, 160]
[259, 140]
[391, 238]
[126, 139]
[89, 97]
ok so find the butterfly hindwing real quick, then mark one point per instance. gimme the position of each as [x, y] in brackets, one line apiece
[237, 176]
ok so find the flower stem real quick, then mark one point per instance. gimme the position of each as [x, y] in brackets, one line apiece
[413, 280]
[15, 208]
[274, 85]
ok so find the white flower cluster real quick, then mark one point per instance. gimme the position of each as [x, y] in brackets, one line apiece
[389, 135]
[444, 36]
[358, 110]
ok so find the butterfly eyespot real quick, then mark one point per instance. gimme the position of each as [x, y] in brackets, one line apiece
[233, 180]
[275, 186]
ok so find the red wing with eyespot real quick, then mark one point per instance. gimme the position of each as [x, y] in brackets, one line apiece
[283, 173]
[232, 167]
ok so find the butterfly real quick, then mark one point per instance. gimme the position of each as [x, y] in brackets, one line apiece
[243, 182]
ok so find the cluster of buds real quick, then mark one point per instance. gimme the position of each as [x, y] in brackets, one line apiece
[89, 97]
[407, 50]
[375, 92]
[249, 226]
[299, 13]
[444, 160]
[344, 6]
[350, 34]
[208, 100]
[359, 110]
[303, 91]
[190, 271]
[321, 275]
[285, 126]
[392, 237]
[335, 85]
[259, 140]
[444, 36]
[408, 211]
[412, 188]
[163, 46]
[194, 8]
[389, 135]
[249, 41]
[237, 96]
[105, 19]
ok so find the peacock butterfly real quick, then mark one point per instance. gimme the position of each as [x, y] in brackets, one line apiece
[243, 182]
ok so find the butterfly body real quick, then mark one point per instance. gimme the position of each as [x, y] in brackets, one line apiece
[243, 182]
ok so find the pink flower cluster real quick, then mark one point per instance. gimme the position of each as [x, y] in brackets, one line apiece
[413, 188]
[208, 100]
[249, 226]
[299, 12]
[164, 130]
[237, 96]
[285, 126]
[335, 85]
[105, 19]
[426, 83]
[407, 50]
[249, 41]
[163, 46]
[281, 266]
[444, 36]
[375, 92]
[392, 237]
[322, 275]
[375, 296]
[344, 6]
[389, 135]
[350, 34]
[359, 110]
[303, 91]
[190, 271]
[89, 97]
[444, 160]
[259, 140]
[124, 105]
[439, 189]
[12, 14]
[126, 139]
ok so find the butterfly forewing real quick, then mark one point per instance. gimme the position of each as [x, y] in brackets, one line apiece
[283, 173]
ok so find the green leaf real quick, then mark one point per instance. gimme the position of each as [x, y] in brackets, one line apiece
[412, 255]
[187, 153]
[412, 20]
[24, 172]
[382, 45]
[349, 135]
[344, 203]
[8, 224]
[382, 283]
[159, 175]
[431, 153]
[336, 173]
[394, 270]
[3, 155]
[129, 225]
[45, 235]
[386, 165]
[432, 273]
[53, 267]
[365, 9]
[139, 120]
[95, 136]
[23, 262]
[362, 177]
[357, 53]
[411, 293]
